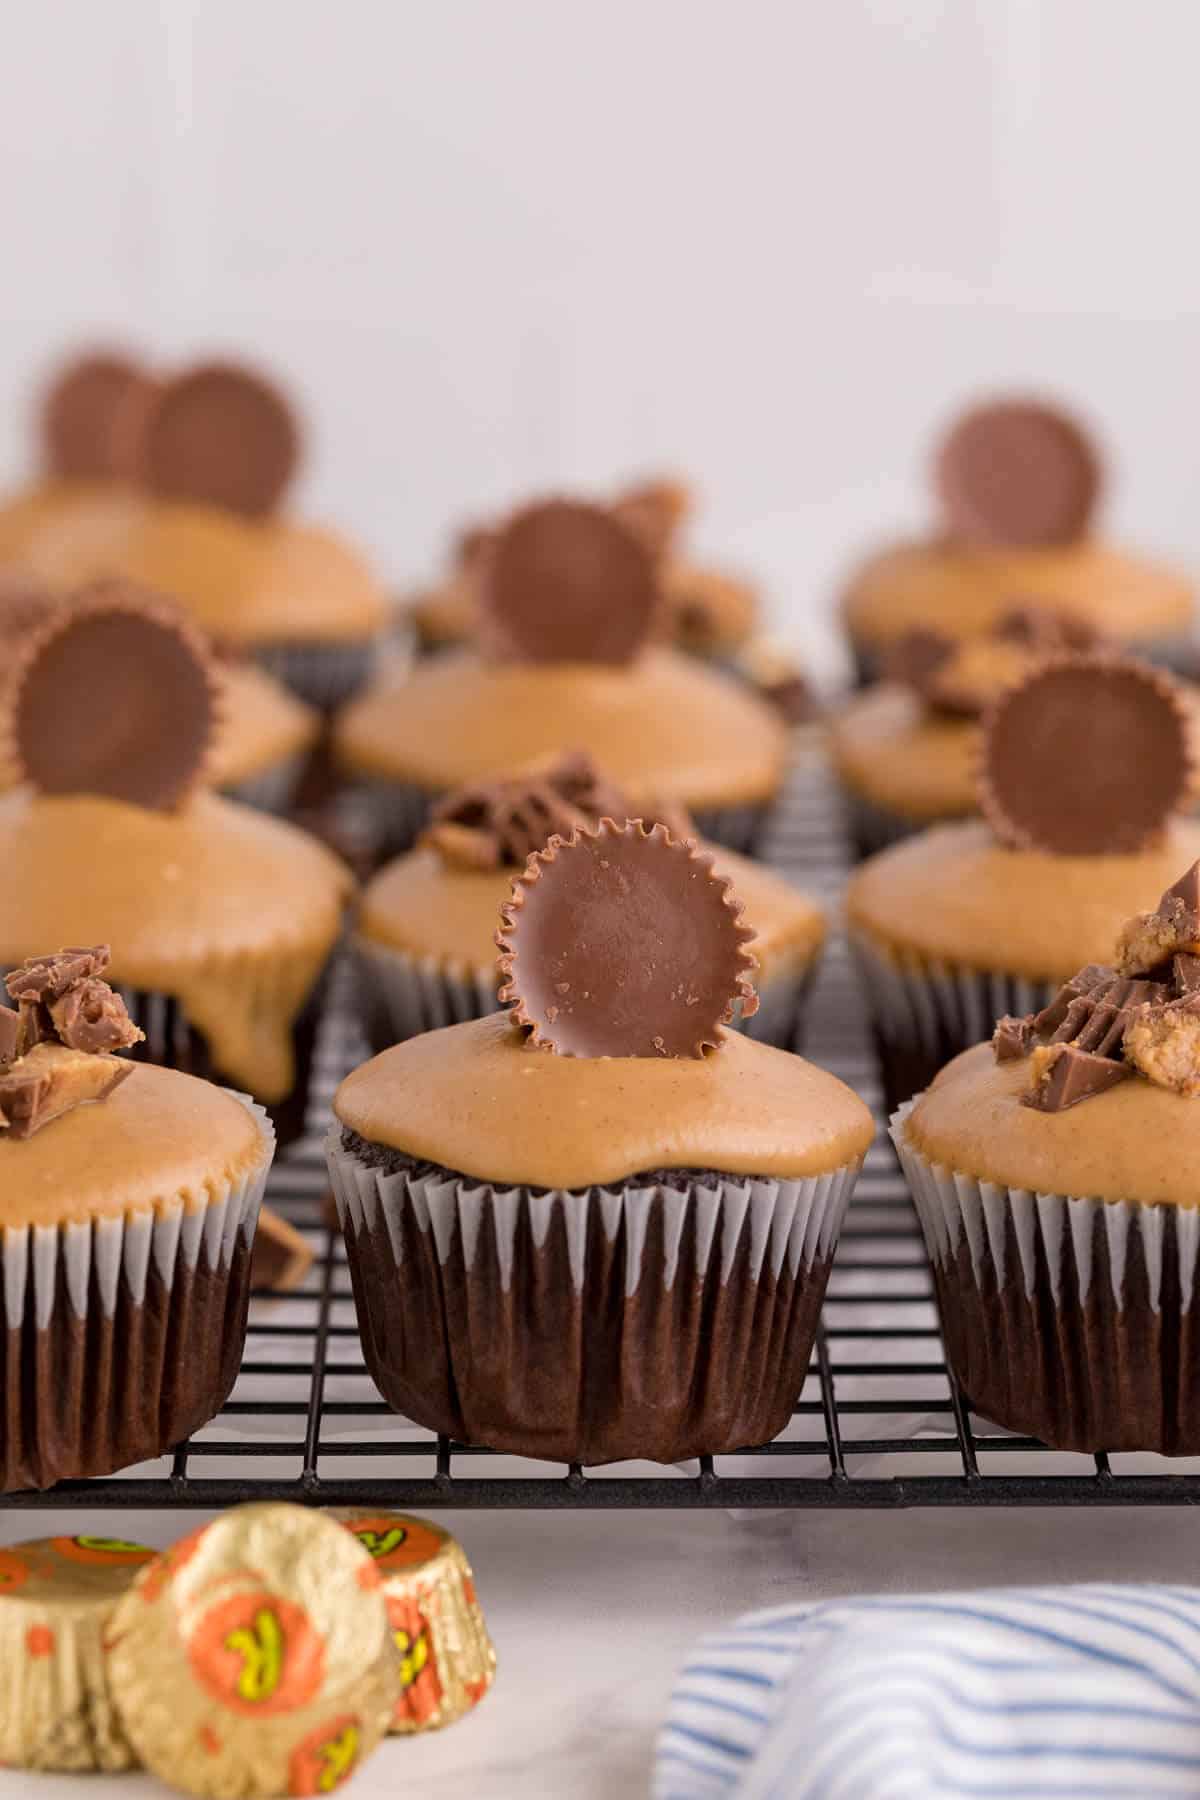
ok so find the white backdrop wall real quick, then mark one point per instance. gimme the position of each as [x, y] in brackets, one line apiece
[496, 244]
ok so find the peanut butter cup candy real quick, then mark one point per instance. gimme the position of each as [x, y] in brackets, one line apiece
[222, 920]
[426, 923]
[1054, 1171]
[571, 606]
[906, 749]
[1084, 769]
[128, 1206]
[598, 1225]
[709, 612]
[1017, 483]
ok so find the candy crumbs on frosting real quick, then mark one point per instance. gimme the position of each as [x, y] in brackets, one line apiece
[1140, 1015]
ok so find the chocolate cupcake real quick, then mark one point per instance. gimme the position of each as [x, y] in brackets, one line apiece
[426, 929]
[708, 612]
[223, 920]
[211, 453]
[130, 1197]
[1054, 1174]
[1017, 483]
[598, 1226]
[570, 600]
[1084, 766]
[905, 751]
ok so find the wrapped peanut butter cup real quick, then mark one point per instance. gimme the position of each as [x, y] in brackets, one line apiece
[598, 1226]
[447, 1663]
[56, 1599]
[256, 1657]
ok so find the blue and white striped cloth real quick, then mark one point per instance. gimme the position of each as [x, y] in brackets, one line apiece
[1013, 1694]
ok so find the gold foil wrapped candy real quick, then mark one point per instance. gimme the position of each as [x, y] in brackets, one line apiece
[56, 1598]
[446, 1657]
[256, 1658]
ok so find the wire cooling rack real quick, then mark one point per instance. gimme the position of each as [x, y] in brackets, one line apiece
[879, 1422]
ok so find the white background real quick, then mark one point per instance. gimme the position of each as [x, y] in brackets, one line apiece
[502, 243]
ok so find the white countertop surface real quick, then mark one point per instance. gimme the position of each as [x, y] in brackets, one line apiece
[592, 1612]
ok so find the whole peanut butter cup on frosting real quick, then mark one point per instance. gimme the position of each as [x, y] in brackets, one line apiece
[906, 749]
[570, 601]
[1054, 1173]
[1017, 482]
[598, 1226]
[1084, 767]
[128, 1207]
[222, 920]
[709, 612]
[426, 923]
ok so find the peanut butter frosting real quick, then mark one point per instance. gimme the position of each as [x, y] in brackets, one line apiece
[887, 746]
[963, 590]
[232, 912]
[157, 1138]
[482, 1100]
[260, 724]
[954, 894]
[660, 726]
[67, 530]
[425, 907]
[1136, 1141]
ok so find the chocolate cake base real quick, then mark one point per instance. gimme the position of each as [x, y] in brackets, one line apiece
[86, 1395]
[497, 1327]
[1079, 1373]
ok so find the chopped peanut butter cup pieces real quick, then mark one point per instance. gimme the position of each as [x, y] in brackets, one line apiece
[1017, 472]
[222, 436]
[567, 582]
[1088, 756]
[499, 824]
[115, 696]
[56, 1049]
[623, 941]
[89, 415]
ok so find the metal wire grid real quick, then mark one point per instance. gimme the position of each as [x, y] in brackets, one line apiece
[880, 1421]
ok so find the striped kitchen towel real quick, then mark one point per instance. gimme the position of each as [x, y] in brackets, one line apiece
[1017, 1692]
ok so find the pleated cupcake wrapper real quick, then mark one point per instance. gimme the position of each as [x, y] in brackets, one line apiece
[399, 812]
[1174, 651]
[925, 1012]
[69, 1293]
[1067, 1317]
[873, 828]
[58, 1710]
[404, 995]
[326, 675]
[590, 1325]
[271, 790]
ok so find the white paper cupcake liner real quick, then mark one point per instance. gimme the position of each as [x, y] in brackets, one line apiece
[123, 1335]
[593, 1325]
[924, 1013]
[1069, 1318]
[404, 995]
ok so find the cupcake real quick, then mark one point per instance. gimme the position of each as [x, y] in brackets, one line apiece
[1054, 1172]
[1084, 765]
[222, 920]
[130, 1197]
[1017, 483]
[709, 612]
[85, 428]
[264, 738]
[213, 453]
[426, 927]
[570, 599]
[598, 1226]
[905, 749]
